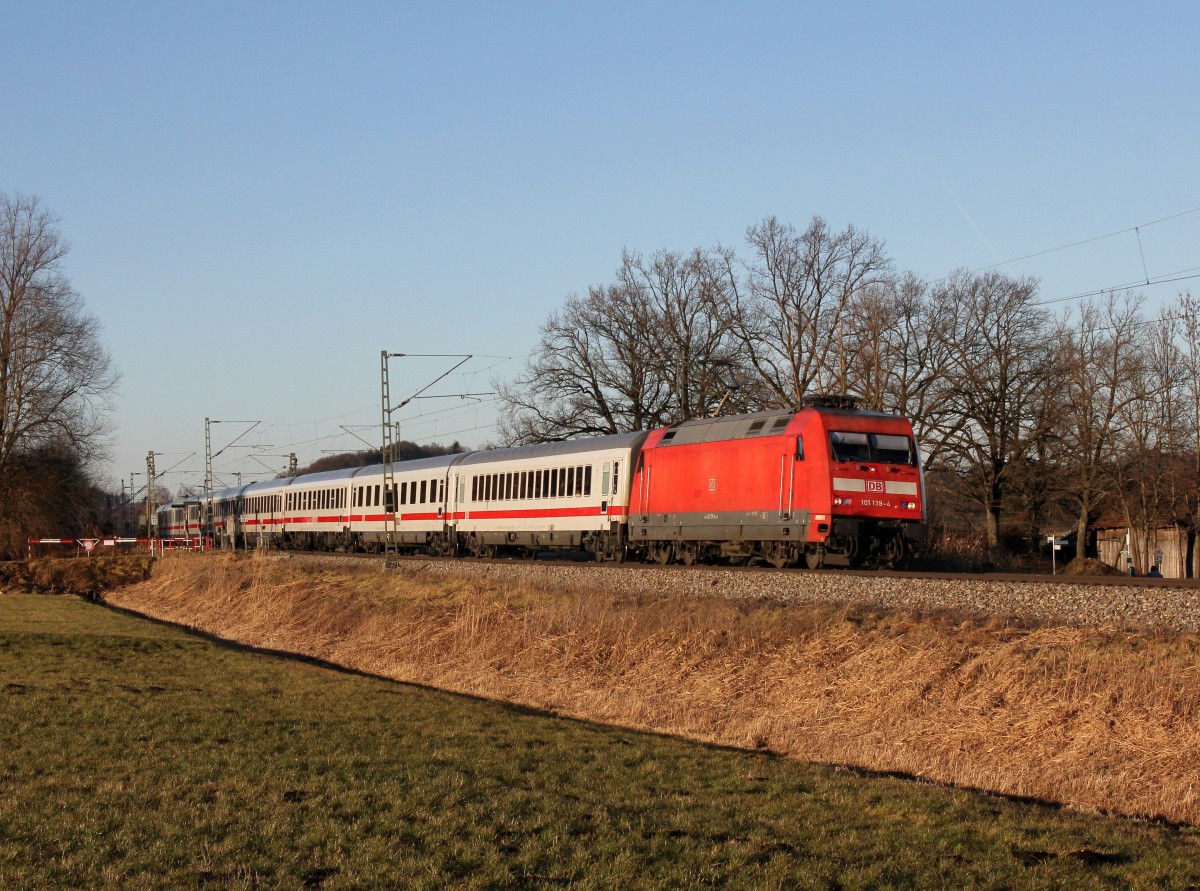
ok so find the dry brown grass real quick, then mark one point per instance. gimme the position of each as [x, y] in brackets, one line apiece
[82, 576]
[1099, 720]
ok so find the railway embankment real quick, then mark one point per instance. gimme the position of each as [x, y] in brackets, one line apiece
[1095, 707]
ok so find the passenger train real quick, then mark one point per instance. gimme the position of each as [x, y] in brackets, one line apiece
[826, 484]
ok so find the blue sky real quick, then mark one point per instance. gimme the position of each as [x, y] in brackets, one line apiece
[262, 196]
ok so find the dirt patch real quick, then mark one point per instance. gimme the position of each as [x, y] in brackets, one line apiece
[1089, 566]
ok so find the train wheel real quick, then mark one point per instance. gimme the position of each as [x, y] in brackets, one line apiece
[687, 553]
[778, 555]
[893, 551]
[812, 559]
[661, 554]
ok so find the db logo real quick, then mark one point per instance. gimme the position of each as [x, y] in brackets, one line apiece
[874, 485]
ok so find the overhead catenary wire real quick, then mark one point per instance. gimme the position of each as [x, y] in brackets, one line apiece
[1091, 240]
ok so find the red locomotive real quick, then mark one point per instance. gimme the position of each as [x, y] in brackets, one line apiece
[829, 485]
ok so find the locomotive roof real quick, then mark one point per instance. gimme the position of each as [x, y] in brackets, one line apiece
[759, 423]
[555, 449]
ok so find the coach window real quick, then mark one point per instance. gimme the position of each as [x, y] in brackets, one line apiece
[605, 473]
[587, 480]
[578, 480]
[508, 486]
[524, 483]
[423, 485]
[441, 491]
[570, 488]
[377, 499]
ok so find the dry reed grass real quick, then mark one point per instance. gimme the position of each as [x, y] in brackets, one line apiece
[1101, 720]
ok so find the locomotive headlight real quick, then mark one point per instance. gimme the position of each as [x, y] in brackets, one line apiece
[839, 501]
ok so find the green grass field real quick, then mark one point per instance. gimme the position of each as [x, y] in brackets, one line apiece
[138, 756]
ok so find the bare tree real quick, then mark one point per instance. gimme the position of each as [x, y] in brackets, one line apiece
[794, 300]
[1187, 310]
[654, 347]
[998, 348]
[897, 358]
[55, 376]
[1103, 351]
[1145, 472]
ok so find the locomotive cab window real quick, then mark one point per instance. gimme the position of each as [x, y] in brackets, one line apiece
[890, 449]
[883, 448]
[850, 446]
